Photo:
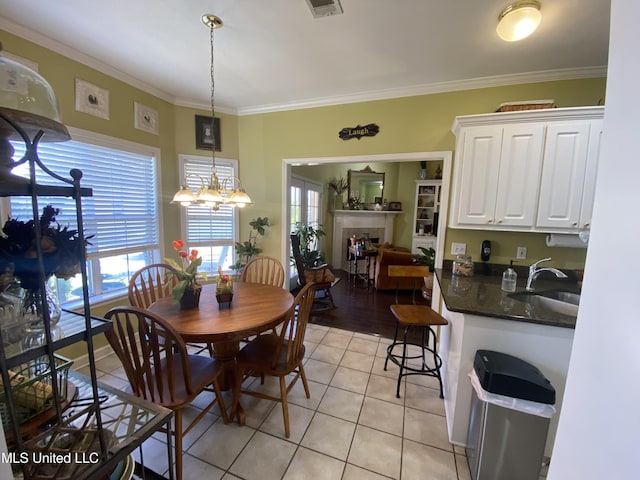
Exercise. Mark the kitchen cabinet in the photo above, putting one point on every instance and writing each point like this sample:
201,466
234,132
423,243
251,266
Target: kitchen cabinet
529,171
498,175
425,214
568,178
90,427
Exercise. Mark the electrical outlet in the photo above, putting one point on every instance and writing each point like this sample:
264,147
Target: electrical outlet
521,253
458,248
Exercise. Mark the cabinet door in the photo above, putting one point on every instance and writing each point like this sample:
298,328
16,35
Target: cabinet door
563,174
519,177
591,174
479,160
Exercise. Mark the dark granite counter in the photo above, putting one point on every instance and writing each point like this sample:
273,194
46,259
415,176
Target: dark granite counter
481,295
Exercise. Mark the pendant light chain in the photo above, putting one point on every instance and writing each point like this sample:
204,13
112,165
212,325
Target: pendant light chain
213,109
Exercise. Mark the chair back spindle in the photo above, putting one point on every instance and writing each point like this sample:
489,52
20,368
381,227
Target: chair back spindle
265,270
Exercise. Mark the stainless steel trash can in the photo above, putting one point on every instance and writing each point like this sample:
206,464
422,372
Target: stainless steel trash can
507,433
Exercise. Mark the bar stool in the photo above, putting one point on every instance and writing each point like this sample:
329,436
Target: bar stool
414,318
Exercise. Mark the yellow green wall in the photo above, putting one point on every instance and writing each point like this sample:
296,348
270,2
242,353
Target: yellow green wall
261,142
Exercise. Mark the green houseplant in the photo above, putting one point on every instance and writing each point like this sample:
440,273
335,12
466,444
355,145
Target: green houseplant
309,236
248,249
187,273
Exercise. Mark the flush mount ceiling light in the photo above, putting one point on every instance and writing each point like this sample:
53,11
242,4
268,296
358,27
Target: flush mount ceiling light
519,20
212,191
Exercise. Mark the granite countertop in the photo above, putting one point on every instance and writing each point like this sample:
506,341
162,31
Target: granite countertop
480,294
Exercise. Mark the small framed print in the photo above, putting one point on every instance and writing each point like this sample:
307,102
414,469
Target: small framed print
395,206
145,118
207,135
92,99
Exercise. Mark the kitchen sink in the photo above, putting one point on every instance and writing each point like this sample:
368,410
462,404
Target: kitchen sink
558,301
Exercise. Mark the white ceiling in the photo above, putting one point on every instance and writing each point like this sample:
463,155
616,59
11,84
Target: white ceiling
273,55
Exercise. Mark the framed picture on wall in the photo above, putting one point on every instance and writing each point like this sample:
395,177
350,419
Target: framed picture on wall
207,135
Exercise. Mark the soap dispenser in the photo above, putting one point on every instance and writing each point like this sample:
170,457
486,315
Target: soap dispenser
509,279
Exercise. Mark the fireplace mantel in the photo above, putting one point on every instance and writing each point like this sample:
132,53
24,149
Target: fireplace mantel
362,220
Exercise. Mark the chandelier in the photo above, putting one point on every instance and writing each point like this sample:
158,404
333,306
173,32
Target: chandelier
212,192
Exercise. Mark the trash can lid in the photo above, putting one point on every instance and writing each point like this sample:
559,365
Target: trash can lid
511,376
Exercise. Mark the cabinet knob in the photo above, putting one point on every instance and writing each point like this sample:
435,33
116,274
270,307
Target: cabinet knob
499,221
587,225
575,224
490,220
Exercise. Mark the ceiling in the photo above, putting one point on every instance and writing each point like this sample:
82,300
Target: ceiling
274,55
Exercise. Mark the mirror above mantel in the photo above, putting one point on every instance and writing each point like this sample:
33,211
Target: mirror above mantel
365,188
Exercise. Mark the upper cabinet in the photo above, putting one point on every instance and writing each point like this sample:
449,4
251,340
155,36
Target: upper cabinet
526,171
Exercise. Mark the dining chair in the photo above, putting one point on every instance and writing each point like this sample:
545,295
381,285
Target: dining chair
265,270
277,355
160,369
153,282
418,318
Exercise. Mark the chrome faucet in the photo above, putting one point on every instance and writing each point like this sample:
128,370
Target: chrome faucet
534,271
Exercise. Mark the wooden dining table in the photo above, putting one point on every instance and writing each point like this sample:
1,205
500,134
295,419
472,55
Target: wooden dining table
255,308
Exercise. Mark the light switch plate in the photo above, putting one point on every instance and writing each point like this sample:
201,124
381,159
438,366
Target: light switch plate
458,248
521,253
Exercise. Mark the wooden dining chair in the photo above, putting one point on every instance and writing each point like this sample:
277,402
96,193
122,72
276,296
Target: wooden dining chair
277,355
419,319
153,282
160,369
265,270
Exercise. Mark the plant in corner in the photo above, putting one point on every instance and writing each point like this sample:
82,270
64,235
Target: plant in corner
427,258
309,236
187,270
247,250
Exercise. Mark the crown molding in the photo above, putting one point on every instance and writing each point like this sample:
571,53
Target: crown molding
368,96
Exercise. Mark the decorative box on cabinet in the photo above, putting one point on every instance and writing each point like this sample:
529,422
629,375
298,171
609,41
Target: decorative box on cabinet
425,214
89,435
510,173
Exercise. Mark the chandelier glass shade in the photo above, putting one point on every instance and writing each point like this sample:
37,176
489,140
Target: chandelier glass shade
519,20
212,192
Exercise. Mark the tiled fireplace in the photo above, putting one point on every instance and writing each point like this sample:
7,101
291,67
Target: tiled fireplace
346,223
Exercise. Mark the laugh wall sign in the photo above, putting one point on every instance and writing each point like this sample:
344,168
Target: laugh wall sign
359,131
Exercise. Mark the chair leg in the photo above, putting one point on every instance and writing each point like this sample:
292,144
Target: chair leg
285,406
390,349
223,407
303,376
178,442
403,362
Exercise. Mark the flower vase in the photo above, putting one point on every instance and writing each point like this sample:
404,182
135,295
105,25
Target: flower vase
338,202
224,299
33,317
191,297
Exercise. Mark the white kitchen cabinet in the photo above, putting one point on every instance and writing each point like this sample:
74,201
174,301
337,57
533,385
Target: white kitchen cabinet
498,178
528,171
425,214
568,177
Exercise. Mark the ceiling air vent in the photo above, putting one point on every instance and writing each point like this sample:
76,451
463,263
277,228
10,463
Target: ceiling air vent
324,8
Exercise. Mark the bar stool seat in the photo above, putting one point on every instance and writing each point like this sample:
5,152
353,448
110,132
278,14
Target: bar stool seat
419,319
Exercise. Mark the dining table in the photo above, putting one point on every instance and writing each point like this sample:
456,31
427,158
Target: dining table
255,308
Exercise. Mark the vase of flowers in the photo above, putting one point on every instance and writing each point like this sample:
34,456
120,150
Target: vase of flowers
62,254
187,290
224,289
338,185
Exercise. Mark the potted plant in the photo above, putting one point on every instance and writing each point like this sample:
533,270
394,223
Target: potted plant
338,185
309,236
248,249
224,287
187,291
427,258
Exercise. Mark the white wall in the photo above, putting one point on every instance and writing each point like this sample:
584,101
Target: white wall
599,429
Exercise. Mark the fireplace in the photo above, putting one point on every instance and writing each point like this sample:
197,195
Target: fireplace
346,223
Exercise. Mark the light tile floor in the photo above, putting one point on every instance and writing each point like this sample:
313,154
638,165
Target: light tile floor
352,427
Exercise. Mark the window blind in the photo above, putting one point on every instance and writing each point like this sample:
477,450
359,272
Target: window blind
122,215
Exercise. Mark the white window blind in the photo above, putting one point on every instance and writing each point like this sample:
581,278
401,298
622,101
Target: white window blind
122,214
205,226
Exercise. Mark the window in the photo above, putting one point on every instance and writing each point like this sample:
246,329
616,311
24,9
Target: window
212,232
306,200
122,215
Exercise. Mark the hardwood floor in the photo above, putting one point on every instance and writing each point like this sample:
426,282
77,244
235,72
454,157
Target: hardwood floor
360,309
